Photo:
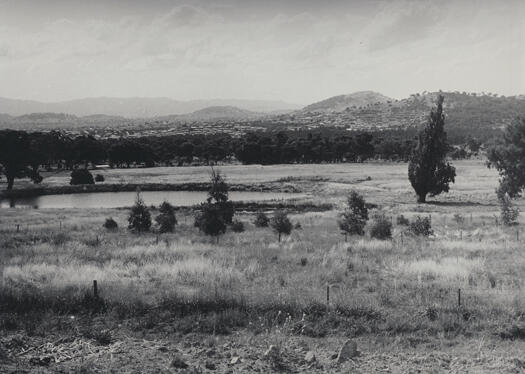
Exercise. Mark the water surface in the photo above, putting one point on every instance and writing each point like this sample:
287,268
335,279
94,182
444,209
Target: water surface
126,199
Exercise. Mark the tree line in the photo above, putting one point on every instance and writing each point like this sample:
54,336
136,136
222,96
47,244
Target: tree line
25,154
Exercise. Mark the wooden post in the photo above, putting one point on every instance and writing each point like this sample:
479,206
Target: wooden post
17,228
517,235
157,239
460,234
60,225
327,295
95,289
470,217
459,297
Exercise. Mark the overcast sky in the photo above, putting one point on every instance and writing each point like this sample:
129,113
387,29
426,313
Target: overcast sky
299,51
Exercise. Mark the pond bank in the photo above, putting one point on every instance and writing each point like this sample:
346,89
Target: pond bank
127,187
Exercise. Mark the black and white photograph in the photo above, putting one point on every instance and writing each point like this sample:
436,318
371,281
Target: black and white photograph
262,186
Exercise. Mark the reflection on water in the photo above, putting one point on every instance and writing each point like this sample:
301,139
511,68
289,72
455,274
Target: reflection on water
125,199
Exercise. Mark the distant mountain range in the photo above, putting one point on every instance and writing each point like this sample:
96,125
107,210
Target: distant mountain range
366,110
135,107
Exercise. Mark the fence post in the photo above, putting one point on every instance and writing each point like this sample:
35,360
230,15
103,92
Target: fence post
95,289
459,297
17,228
327,295
517,235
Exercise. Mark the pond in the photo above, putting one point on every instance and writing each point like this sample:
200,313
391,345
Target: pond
126,199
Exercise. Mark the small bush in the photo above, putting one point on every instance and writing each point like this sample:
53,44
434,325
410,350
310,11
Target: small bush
81,176
304,261
401,220
509,212
166,220
99,178
261,220
280,223
110,224
237,226
298,226
458,218
211,219
139,218
353,219
381,227
421,226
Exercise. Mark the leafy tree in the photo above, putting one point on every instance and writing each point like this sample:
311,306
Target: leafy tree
14,155
261,219
280,223
166,219
139,218
428,171
81,176
353,219
508,157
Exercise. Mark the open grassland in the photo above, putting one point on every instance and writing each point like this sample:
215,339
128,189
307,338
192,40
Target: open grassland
402,291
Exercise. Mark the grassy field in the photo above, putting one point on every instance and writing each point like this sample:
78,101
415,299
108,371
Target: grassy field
402,291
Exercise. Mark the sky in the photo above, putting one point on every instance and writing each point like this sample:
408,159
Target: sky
298,51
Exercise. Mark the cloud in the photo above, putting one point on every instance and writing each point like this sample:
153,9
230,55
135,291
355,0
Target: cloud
298,51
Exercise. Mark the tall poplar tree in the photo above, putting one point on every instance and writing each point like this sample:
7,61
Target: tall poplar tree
428,171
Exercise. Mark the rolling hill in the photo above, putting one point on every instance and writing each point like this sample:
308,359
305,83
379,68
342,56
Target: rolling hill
354,100
137,107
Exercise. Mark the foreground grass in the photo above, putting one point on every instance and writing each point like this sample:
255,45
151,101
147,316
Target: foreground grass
407,285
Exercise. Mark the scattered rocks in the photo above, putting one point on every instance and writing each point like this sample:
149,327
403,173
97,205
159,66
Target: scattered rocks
310,357
348,351
179,363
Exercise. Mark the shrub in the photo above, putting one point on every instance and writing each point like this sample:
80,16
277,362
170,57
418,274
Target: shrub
166,220
81,176
298,226
281,223
99,178
509,212
458,218
110,224
261,219
381,227
421,226
237,226
353,219
211,220
401,220
217,211
139,218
